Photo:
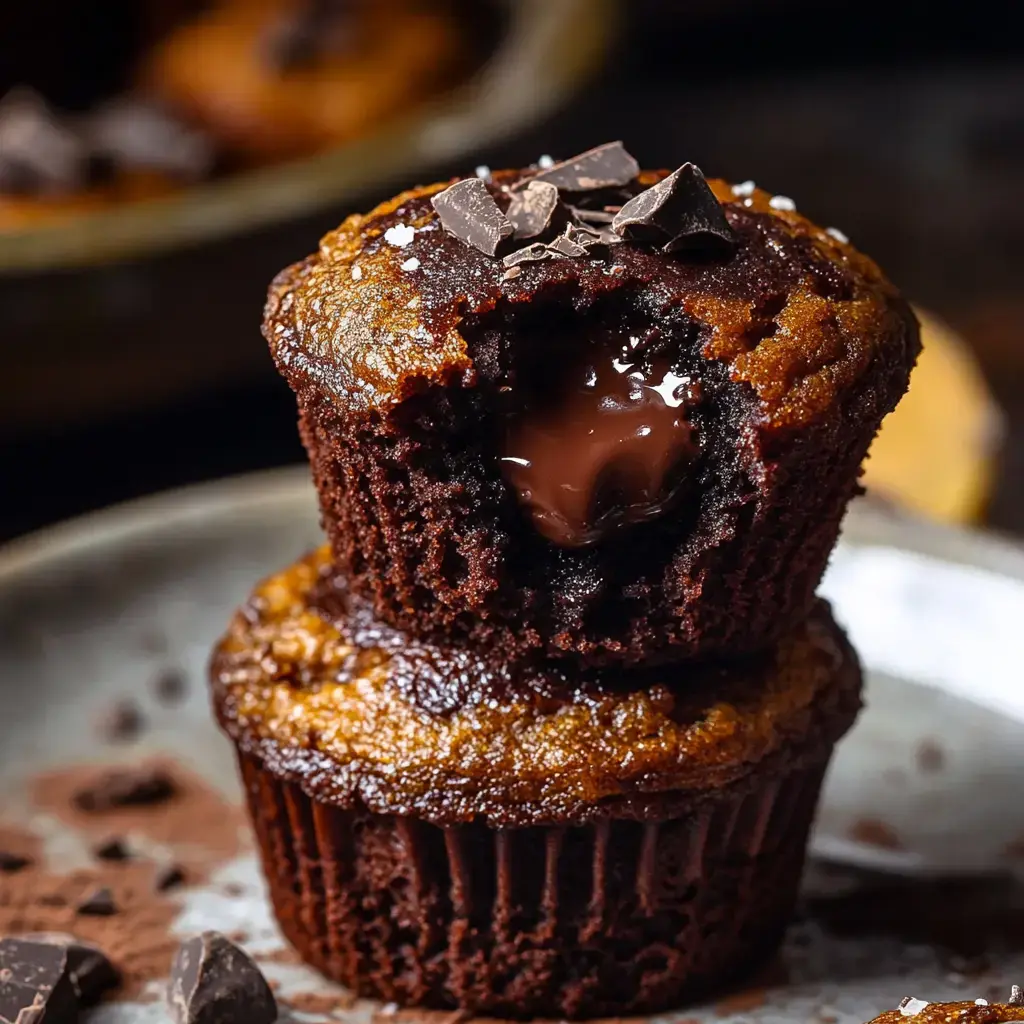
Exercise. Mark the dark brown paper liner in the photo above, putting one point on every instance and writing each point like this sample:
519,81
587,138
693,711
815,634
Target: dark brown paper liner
611,918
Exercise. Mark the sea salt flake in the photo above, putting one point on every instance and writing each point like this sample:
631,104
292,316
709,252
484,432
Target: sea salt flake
546,161
400,235
357,273
483,171
911,1007
838,235
411,264
744,188
782,203
981,1002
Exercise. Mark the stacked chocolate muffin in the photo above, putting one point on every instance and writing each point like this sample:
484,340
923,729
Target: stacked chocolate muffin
541,731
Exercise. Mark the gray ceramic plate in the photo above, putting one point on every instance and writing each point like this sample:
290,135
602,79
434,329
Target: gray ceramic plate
931,775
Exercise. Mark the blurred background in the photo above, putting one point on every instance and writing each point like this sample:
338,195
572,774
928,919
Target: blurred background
161,160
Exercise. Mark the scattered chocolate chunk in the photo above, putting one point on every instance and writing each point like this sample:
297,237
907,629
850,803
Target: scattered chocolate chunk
1016,996
169,877
114,849
125,787
170,686
11,862
89,968
468,211
679,212
99,904
536,251
213,981
536,211
119,723
35,984
930,756
604,166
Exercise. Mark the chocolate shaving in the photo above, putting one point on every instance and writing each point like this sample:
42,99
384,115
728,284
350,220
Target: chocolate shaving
11,862
125,787
604,166
536,211
98,904
213,981
35,983
565,245
528,254
605,216
468,211
679,212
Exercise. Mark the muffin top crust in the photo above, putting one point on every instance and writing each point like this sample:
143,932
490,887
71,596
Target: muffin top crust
307,681
386,305
979,1011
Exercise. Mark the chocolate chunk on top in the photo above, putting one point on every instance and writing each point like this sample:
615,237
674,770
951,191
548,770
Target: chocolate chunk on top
170,876
11,862
606,166
35,983
125,787
679,212
213,981
536,211
468,211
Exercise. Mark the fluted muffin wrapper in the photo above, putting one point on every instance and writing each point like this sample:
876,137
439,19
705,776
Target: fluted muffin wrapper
613,917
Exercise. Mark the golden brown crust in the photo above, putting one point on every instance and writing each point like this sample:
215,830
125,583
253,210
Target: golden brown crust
350,321
291,687
954,1013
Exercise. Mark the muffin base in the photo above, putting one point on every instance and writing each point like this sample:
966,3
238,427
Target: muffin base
609,918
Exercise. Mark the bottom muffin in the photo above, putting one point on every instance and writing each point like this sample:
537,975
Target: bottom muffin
444,829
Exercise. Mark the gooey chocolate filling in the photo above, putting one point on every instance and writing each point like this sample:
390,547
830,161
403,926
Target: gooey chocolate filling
612,452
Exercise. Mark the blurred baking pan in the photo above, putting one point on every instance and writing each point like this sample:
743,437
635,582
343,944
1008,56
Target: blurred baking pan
134,305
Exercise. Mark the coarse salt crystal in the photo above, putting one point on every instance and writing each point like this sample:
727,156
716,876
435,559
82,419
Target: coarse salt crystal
411,264
357,273
838,235
910,1007
782,203
744,188
483,171
546,161
981,1002
400,235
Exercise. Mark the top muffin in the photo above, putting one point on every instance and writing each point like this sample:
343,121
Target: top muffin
980,1011
589,409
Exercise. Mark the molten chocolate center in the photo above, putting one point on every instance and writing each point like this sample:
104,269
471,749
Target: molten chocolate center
608,455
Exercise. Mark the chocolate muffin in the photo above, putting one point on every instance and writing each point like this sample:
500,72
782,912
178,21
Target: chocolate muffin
631,437
443,828
978,1011
278,79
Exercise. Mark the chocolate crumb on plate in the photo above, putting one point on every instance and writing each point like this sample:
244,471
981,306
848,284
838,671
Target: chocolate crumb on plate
35,983
606,166
125,787
872,832
114,849
213,981
170,876
679,212
120,722
930,756
170,685
11,862
99,904
468,211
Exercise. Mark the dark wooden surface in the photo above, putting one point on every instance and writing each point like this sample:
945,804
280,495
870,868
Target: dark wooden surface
905,131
